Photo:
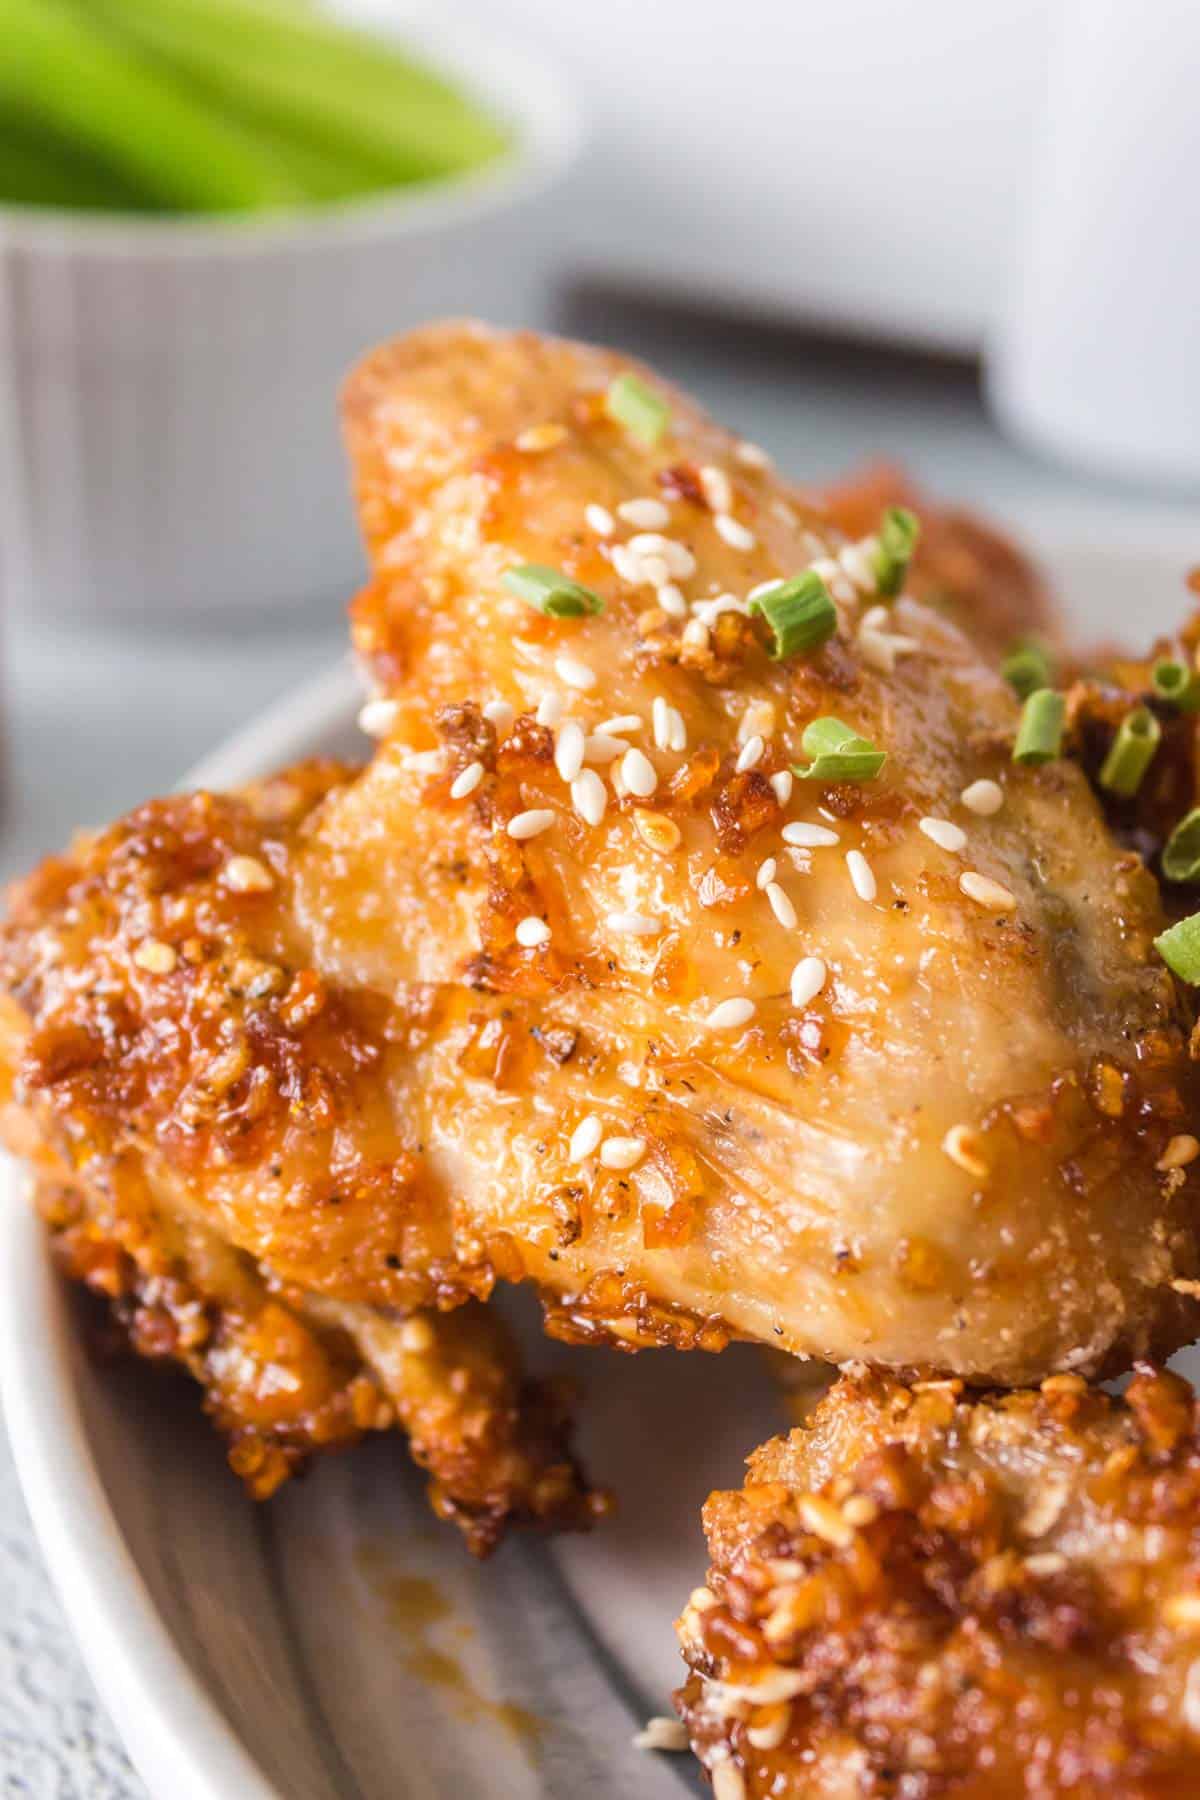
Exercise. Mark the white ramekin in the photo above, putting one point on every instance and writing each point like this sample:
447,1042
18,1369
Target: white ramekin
168,430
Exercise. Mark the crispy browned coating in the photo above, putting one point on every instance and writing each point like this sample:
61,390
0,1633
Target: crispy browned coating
928,1596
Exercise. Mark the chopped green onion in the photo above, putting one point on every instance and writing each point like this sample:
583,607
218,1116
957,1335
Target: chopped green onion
552,592
838,753
1027,668
638,408
1174,682
800,613
898,533
1181,852
1179,947
1131,752
1040,733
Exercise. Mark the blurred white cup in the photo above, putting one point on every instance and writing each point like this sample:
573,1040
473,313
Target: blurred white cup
1098,360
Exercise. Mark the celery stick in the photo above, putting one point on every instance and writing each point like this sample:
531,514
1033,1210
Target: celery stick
64,73
314,79
37,169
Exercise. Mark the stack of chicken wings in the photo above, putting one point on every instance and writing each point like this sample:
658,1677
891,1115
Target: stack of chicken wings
715,941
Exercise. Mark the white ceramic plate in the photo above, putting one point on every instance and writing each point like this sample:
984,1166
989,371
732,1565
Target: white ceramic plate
338,1644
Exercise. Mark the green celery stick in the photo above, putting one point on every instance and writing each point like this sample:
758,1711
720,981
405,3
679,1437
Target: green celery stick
69,76
37,169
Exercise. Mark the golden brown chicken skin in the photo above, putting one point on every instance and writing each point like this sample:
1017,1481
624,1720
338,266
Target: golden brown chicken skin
926,1596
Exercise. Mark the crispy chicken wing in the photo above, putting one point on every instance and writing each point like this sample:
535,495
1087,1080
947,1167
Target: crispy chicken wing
925,1595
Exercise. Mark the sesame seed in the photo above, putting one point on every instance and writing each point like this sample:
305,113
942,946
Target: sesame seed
962,1146
621,725
750,755
986,892
601,748
550,708
499,714
622,1152
802,835
627,564
842,589
730,1015
983,797
880,649
647,515
862,876
828,568
678,558
765,587
639,774
695,635
632,924
944,834
540,437
825,1521
709,611
781,906
1180,1151
585,1139
751,456
656,830
378,717
576,674
808,978
671,600
532,932
416,1336
716,488
155,957
766,872
656,570
246,875
568,750
426,762
599,519
758,720
772,1734
661,1734
781,783
660,722
860,1509
856,563
466,781
734,533
588,797
530,824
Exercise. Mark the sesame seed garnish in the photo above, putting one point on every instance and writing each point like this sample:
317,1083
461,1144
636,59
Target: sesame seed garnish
585,1139
246,875
466,781
568,750
695,635
750,755
656,570
621,725
730,1015
601,748
627,565
751,456
599,519
530,824
647,515
772,1734
986,892
576,674
532,932
984,797
671,600
808,978
944,834
825,1520
622,1152
500,714
632,924
716,488
589,797
880,649
781,906
670,732
550,708
758,720
1180,1151
862,876
540,437
962,1146
860,1509
734,533
639,774
781,783
828,568
802,835
709,611
661,1734
766,872
656,830
155,957
678,558
765,587
378,717
426,762
857,565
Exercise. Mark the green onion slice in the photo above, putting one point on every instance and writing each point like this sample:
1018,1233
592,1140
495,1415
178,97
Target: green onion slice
838,753
899,530
1181,852
1131,752
1040,733
552,592
1174,682
800,613
1027,668
1179,948
638,408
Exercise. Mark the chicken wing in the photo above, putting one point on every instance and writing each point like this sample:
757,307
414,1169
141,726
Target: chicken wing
924,1594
